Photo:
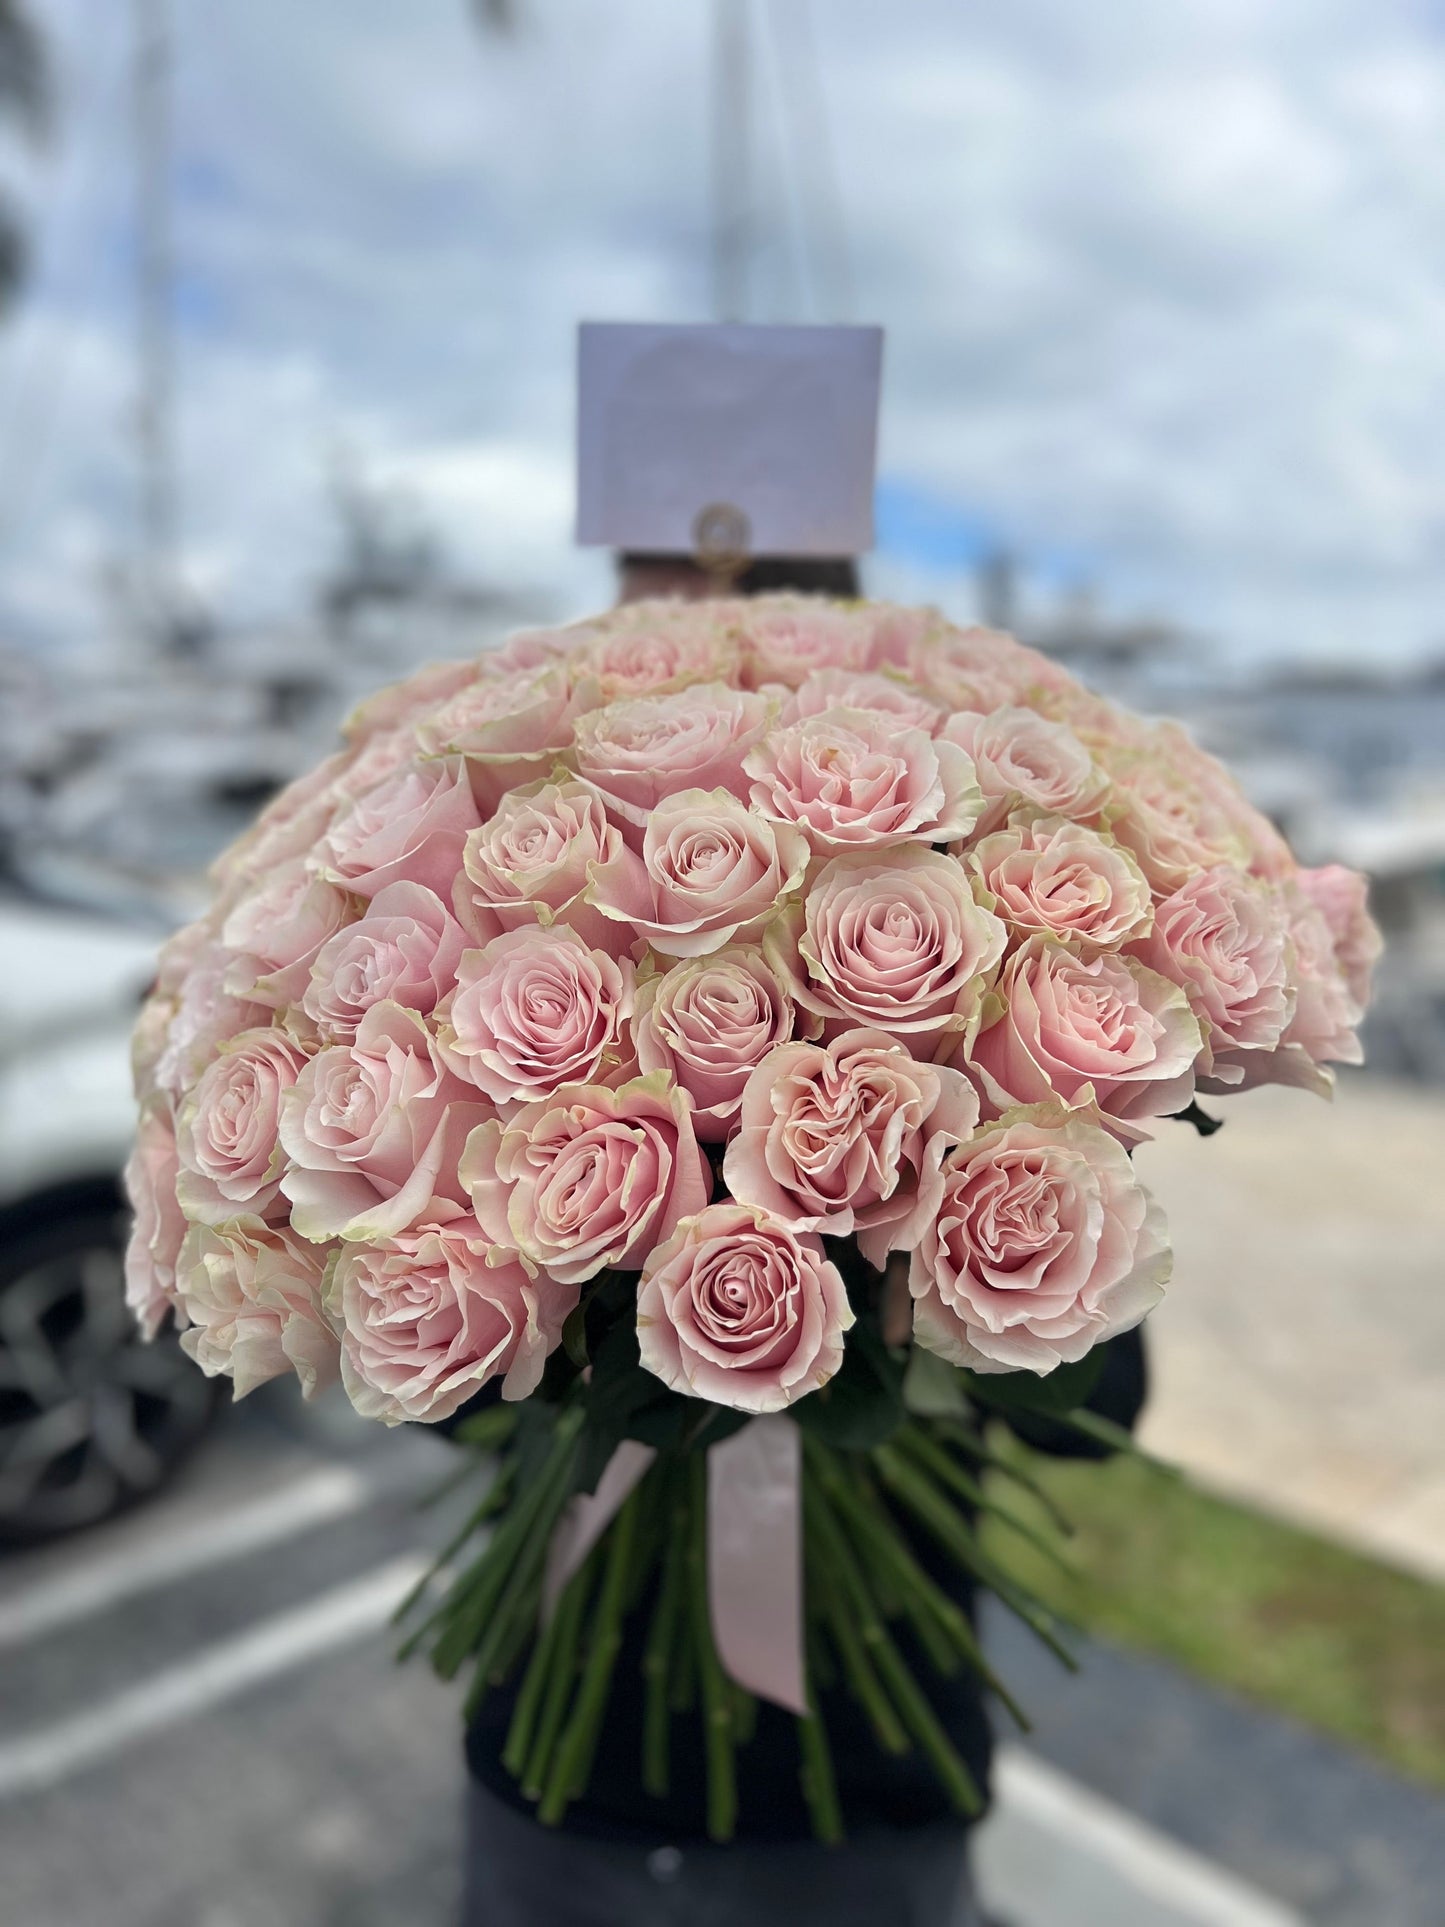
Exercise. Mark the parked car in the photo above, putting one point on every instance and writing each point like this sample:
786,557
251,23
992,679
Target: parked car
91,1417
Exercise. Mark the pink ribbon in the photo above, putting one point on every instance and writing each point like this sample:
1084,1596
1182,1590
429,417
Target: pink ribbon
755,1559
754,1550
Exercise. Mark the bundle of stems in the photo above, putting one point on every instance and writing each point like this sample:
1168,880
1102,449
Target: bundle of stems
864,1514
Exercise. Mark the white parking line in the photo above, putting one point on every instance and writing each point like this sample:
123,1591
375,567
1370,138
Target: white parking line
1172,1880
312,1499
1168,1879
315,1630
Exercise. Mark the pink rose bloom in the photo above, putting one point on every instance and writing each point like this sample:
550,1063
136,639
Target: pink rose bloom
203,1016
404,950
709,1022
1086,1031
849,779
1057,878
590,1178
227,1139
652,647
710,870
428,1317
848,1137
253,1293
879,695
1342,898
737,1309
639,751
276,932
1175,826
529,862
511,728
1321,1029
409,829
374,1130
786,637
1224,938
965,669
1044,1244
159,1227
893,940
402,704
1021,757
533,1010
287,827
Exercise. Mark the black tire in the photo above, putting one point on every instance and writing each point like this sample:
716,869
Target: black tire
92,1418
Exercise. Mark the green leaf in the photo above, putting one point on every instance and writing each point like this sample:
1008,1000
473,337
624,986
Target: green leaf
932,1388
1064,1389
862,1404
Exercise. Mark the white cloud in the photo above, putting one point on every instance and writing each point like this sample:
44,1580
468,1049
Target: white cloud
1163,286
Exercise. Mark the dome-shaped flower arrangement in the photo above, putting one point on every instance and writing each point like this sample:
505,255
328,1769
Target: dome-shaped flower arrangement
705,1013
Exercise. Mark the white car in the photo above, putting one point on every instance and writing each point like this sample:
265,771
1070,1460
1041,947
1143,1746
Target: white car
91,1418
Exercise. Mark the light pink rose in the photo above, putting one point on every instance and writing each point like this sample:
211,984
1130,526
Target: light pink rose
535,648
428,1317
160,1225
709,1021
253,1293
847,1138
1100,1030
590,1178
737,1309
1021,757
1175,824
849,779
651,647
1342,898
638,751
404,950
893,939
409,829
373,1130
228,1133
287,827
965,669
510,727
203,1015
401,704
1321,1029
1044,1244
710,870
1049,875
276,931
528,863
533,1010
879,695
785,638
1224,938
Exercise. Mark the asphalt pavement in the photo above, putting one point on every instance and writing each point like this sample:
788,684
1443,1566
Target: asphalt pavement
203,1727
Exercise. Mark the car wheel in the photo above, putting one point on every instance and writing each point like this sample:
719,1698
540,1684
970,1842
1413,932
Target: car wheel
92,1418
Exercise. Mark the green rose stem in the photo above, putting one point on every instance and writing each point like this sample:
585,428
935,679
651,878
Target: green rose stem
469,1607
973,1447
492,1502
932,1457
722,1792
562,1664
916,1714
941,1519
574,1751
662,1639
820,1789
927,1600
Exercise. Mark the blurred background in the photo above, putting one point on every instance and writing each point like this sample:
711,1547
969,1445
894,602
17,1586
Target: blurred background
286,406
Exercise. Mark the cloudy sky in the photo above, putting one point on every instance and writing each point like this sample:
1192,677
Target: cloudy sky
1164,290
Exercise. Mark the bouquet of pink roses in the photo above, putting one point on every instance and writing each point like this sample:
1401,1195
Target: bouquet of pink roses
725,1025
